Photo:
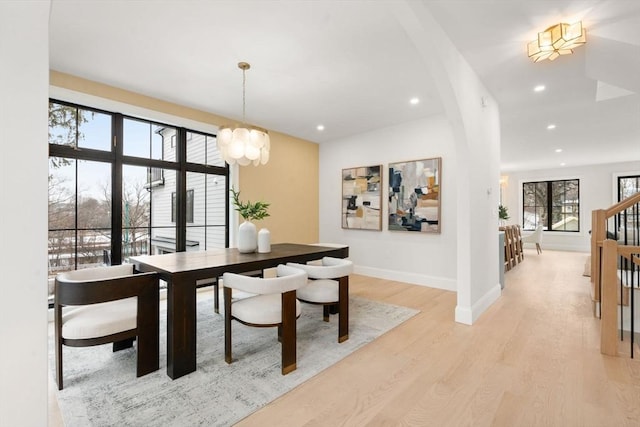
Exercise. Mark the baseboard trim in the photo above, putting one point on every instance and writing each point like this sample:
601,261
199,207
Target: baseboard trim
413,278
556,247
468,315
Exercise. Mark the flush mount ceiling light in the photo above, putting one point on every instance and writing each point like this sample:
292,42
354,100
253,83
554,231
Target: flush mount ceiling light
559,39
243,144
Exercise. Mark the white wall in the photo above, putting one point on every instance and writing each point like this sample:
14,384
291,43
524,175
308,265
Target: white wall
24,81
475,123
464,258
597,191
419,258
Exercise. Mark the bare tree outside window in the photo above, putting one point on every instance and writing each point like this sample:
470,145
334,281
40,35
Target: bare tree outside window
628,221
553,204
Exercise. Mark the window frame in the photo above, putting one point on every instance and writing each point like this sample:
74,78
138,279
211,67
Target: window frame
118,160
548,205
630,217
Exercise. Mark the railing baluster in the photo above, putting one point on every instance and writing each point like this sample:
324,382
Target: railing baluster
633,297
634,273
621,302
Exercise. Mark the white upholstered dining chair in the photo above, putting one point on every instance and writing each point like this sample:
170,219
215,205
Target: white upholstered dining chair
535,237
274,304
328,285
102,305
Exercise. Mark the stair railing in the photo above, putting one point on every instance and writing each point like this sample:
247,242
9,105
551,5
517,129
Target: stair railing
625,220
612,276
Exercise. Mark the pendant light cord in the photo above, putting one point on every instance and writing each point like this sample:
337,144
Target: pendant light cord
244,81
244,66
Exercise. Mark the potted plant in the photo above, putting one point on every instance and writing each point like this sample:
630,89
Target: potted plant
503,214
247,235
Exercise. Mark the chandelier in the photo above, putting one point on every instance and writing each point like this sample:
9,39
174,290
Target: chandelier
559,39
243,144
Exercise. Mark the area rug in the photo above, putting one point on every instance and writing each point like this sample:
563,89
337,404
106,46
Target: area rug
101,388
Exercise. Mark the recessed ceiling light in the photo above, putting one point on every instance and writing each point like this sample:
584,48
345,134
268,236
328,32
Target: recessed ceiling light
562,164
558,150
320,127
414,101
551,126
539,88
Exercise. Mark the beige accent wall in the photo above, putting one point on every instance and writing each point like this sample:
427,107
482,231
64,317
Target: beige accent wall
289,182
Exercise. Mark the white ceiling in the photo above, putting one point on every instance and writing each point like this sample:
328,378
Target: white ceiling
350,66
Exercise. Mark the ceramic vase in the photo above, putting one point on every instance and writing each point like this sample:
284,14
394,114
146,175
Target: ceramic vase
247,237
264,241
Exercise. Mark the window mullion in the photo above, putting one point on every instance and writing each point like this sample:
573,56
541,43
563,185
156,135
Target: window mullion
181,191
549,204
116,190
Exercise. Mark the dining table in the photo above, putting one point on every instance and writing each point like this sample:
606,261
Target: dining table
181,271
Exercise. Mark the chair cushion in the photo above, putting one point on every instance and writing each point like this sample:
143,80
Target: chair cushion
320,291
97,273
288,279
331,268
261,309
99,320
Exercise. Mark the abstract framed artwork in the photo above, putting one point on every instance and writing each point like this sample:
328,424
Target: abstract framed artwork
415,195
362,198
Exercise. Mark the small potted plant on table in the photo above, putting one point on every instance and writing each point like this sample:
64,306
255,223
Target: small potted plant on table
503,214
247,234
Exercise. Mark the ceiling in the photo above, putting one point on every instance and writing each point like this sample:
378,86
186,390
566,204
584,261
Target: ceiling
350,66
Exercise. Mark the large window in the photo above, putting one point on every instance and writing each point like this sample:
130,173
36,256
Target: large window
627,223
118,188
628,186
555,205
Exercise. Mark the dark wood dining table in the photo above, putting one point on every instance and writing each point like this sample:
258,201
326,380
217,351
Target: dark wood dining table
181,270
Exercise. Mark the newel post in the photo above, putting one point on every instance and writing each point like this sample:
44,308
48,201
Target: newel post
609,299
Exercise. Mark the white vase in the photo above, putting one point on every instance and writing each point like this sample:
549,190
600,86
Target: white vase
264,241
247,237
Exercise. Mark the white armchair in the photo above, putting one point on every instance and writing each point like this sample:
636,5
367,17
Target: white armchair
535,237
108,305
274,304
328,285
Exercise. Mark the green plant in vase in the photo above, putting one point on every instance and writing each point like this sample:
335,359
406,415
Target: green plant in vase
247,234
503,214
249,211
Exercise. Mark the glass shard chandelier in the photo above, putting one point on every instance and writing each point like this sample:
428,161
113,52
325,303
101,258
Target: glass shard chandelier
243,144
559,39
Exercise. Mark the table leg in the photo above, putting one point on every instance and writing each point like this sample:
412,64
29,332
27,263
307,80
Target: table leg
343,311
288,332
181,327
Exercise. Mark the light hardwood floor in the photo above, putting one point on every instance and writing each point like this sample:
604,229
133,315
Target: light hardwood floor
532,359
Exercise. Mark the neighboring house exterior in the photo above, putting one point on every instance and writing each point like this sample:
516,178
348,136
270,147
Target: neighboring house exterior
206,222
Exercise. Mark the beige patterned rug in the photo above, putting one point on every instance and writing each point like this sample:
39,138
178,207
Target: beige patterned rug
101,388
